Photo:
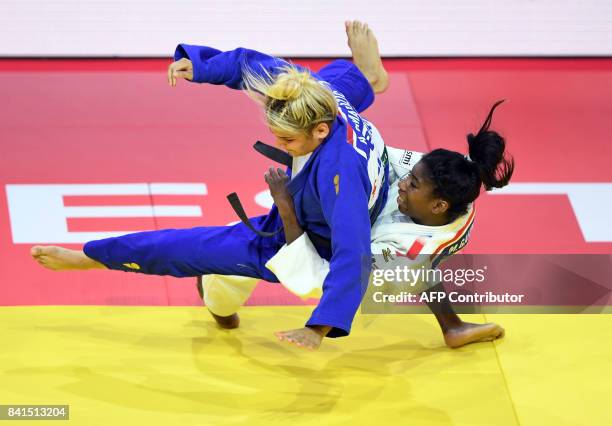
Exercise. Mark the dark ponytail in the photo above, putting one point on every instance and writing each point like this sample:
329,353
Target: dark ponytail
487,149
458,179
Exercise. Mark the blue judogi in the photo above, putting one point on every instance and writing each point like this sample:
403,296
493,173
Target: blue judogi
331,195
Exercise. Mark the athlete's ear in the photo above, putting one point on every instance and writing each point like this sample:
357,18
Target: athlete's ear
321,131
439,206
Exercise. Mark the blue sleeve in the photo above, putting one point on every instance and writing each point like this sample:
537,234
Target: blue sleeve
346,213
345,77
216,67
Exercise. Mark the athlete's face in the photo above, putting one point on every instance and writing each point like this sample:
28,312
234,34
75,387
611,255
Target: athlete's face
301,144
416,197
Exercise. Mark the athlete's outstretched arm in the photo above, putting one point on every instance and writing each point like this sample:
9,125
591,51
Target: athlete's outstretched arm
343,190
202,64
307,337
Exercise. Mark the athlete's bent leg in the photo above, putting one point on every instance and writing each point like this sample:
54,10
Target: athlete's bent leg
364,48
456,332
223,295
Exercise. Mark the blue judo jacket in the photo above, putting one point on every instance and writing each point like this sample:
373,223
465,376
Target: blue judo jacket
331,192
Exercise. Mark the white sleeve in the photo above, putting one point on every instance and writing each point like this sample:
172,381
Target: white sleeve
299,268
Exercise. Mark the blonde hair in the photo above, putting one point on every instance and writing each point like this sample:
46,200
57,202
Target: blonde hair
294,101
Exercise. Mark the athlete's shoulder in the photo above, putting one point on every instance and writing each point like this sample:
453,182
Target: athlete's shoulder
402,160
337,144
455,238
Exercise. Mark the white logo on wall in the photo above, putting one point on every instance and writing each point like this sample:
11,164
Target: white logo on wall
591,202
38,213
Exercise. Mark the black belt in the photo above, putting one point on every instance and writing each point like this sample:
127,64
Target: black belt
234,200
281,157
273,154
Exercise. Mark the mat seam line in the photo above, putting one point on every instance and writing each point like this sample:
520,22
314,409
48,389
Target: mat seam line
156,224
427,143
416,108
503,374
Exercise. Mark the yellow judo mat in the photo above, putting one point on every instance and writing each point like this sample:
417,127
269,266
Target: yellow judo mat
173,366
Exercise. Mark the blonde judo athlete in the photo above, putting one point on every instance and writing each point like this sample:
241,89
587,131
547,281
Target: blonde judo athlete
315,118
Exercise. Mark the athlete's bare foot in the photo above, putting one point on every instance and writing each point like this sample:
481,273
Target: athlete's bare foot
366,56
60,258
471,333
230,322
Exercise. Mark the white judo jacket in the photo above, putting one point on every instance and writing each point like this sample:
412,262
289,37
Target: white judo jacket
394,235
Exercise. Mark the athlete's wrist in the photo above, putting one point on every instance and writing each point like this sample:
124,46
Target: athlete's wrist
322,330
286,211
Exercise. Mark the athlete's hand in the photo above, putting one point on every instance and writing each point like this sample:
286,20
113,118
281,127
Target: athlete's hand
277,182
183,68
308,337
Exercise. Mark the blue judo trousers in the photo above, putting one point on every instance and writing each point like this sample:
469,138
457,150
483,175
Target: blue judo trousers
330,194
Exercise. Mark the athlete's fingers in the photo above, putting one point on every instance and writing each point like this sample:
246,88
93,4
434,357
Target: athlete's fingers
174,67
182,74
172,70
286,339
282,335
268,178
169,76
279,177
272,174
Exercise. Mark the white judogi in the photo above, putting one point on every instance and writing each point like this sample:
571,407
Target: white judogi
302,271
